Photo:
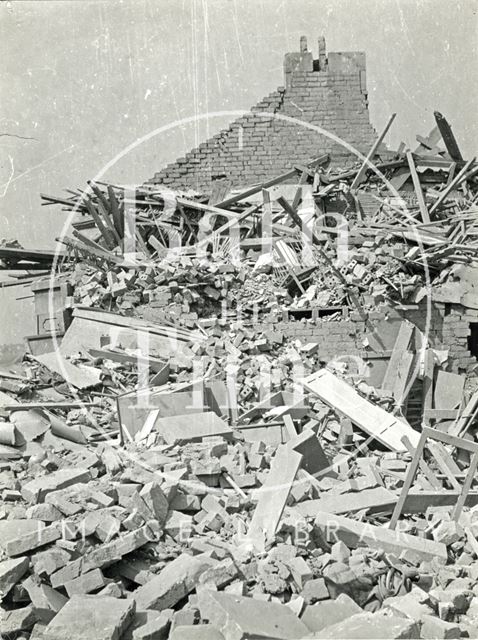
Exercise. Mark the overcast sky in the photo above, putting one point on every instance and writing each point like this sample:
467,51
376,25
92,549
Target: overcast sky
82,80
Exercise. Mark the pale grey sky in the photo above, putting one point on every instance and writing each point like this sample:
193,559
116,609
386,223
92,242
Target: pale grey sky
85,79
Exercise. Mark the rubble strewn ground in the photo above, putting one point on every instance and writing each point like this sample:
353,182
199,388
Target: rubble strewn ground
179,466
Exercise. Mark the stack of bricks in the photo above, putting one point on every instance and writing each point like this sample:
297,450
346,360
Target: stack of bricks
322,109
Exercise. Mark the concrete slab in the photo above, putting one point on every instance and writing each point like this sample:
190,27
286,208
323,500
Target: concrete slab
239,617
173,583
86,617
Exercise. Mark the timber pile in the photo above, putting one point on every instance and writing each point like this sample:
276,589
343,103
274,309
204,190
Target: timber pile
145,496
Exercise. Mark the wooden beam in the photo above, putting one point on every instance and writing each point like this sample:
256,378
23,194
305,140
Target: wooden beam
273,497
418,188
424,468
448,137
468,413
367,162
373,420
402,341
270,183
410,477
470,476
26,406
450,187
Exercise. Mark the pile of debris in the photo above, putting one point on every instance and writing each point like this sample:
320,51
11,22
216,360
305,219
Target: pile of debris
176,465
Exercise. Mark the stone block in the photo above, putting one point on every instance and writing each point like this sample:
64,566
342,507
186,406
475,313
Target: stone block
156,628
328,612
156,501
13,623
37,489
371,626
241,617
13,529
196,632
87,617
434,628
86,583
315,590
33,540
11,571
173,583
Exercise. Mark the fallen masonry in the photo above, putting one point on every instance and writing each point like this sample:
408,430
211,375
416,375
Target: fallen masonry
237,428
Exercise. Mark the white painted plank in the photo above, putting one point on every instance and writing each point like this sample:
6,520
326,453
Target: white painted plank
384,427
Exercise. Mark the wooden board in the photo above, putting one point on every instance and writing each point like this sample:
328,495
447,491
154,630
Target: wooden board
418,188
448,390
403,377
459,427
377,423
401,345
273,497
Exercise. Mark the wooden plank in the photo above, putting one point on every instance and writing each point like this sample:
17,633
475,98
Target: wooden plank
273,497
419,501
367,162
230,224
446,438
440,457
102,228
448,137
102,255
427,391
411,473
440,414
269,183
451,186
467,414
418,188
207,208
289,426
376,422
400,177
118,218
404,368
87,241
103,210
354,533
26,406
424,468
402,341
470,476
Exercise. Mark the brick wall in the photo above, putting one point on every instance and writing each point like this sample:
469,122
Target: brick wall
449,329
329,93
